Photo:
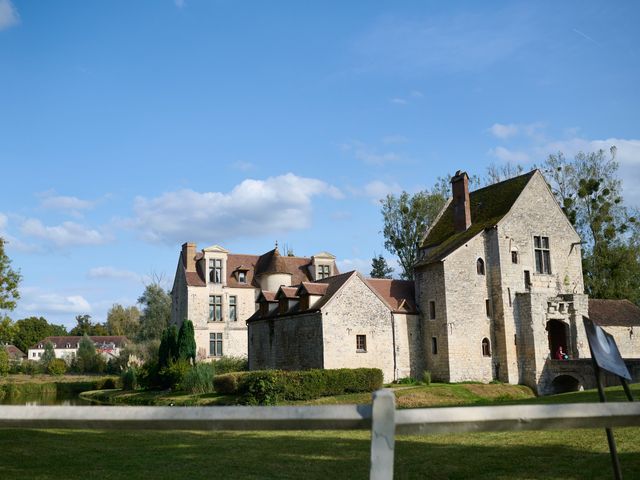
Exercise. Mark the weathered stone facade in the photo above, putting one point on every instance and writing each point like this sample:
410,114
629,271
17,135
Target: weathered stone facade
352,325
217,291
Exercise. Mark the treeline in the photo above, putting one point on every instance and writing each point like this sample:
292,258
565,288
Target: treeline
140,326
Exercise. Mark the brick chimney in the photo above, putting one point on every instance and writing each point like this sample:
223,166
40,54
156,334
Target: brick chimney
461,205
189,256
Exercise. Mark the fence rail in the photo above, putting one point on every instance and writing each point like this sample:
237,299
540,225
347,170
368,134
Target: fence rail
381,418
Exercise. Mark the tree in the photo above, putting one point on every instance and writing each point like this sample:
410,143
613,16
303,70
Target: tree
84,326
86,356
406,220
499,173
123,320
4,362
589,191
48,355
7,330
187,342
9,281
380,268
29,331
156,312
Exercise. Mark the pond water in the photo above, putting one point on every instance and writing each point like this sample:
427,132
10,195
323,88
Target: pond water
44,399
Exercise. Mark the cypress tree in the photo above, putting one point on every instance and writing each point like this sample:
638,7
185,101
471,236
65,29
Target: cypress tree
187,342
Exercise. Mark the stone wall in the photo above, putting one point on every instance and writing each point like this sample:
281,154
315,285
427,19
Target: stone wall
430,287
627,339
357,310
468,321
408,341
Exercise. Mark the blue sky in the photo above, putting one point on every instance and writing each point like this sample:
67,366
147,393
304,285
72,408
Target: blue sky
128,128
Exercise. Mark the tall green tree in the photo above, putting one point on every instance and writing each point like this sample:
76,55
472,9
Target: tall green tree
29,331
9,281
85,326
156,312
123,320
406,219
86,358
7,330
187,342
380,268
48,355
590,192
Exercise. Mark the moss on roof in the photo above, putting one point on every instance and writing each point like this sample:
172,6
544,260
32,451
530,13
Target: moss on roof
488,206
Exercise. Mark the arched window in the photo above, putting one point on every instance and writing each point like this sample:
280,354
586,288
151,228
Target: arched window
486,347
480,266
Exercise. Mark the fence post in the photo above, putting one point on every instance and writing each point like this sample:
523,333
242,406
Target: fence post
383,429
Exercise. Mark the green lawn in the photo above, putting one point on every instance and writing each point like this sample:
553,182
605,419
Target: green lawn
572,454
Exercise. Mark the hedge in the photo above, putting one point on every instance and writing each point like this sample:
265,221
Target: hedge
267,387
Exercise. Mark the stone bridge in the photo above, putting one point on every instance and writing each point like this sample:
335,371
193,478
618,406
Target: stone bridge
560,376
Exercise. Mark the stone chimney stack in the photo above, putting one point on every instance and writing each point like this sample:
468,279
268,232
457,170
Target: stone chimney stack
461,205
189,256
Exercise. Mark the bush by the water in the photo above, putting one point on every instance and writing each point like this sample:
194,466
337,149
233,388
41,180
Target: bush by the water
199,378
129,379
171,376
267,387
231,364
57,366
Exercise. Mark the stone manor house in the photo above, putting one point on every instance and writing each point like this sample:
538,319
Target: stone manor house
498,289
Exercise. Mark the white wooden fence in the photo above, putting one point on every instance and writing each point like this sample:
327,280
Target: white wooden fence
381,417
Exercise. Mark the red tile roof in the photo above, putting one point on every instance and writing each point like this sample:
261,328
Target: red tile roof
313,288
399,294
14,352
614,313
287,292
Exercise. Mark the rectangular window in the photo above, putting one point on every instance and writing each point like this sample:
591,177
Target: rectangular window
215,308
514,257
233,316
361,343
509,293
543,257
215,270
215,344
487,306
432,310
434,345
527,279
242,277
323,271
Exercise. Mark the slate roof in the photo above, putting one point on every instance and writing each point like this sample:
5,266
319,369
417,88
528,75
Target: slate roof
488,206
254,266
614,313
62,341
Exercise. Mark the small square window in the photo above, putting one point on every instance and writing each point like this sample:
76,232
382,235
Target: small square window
361,343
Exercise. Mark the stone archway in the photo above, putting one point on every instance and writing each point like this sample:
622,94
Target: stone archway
558,335
564,384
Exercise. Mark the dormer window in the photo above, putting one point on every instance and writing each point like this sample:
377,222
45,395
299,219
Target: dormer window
324,271
242,277
215,270
68,345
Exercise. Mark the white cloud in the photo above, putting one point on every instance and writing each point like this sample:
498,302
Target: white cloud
62,203
254,207
377,190
503,131
398,101
113,273
4,221
509,156
348,264
416,94
8,15
66,234
369,155
41,303
180,3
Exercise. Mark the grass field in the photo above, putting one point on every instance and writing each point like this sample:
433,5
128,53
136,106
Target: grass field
573,454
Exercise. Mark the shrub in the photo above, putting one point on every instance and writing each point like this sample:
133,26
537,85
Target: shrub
199,378
426,377
172,375
108,383
406,381
231,364
129,379
227,384
267,387
31,367
57,366
4,362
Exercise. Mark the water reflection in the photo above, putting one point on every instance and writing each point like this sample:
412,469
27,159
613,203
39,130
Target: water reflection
39,400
